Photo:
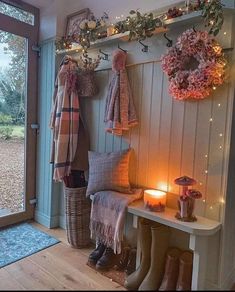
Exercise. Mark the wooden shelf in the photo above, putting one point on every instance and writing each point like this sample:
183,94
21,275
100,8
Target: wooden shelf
202,227
189,18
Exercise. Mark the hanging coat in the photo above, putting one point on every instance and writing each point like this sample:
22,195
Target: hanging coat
120,114
66,123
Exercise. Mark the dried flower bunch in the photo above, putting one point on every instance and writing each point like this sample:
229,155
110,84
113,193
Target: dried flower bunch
195,65
91,29
86,63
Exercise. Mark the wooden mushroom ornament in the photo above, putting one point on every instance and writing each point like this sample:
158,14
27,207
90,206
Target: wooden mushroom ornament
186,201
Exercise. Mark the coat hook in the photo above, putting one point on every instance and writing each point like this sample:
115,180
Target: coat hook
106,56
194,29
145,47
122,49
169,42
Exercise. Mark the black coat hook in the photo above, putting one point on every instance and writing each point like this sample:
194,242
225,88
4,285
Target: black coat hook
169,41
145,47
122,49
106,56
194,29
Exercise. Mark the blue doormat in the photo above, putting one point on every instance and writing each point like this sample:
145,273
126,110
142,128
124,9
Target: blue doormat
20,241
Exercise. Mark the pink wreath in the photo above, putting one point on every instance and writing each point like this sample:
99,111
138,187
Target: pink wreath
195,65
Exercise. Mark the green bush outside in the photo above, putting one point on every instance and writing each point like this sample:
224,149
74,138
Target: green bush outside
6,132
5,119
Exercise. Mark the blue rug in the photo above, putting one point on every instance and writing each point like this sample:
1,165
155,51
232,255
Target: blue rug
20,241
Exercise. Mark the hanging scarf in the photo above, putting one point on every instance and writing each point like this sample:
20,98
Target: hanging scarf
65,119
120,112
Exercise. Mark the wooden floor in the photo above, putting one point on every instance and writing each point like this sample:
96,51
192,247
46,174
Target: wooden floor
59,267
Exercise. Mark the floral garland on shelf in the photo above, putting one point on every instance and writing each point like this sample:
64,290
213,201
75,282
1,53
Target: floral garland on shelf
195,65
141,26
90,30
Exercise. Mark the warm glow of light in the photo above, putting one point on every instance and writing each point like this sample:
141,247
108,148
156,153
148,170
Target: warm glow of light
225,33
221,135
211,208
206,171
222,201
200,183
204,201
155,200
206,155
220,147
219,104
163,187
214,88
210,119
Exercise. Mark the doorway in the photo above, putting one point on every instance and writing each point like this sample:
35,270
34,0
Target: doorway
19,26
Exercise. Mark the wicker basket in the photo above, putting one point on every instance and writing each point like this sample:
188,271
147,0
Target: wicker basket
77,209
87,86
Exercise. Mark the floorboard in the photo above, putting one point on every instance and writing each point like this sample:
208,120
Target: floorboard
59,267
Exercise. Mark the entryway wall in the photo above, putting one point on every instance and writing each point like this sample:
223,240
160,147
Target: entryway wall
173,138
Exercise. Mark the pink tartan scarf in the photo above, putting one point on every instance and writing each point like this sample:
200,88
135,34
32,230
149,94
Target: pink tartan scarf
108,213
65,119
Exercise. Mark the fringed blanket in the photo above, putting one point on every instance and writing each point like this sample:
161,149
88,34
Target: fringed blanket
120,111
65,119
108,216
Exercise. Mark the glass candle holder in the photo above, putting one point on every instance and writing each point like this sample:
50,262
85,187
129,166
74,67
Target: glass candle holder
155,200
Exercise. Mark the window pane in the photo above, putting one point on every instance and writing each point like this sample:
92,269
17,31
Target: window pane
17,13
13,89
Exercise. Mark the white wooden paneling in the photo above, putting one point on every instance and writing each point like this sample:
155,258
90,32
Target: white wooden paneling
173,138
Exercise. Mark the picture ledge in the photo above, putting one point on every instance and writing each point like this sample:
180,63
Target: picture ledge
189,18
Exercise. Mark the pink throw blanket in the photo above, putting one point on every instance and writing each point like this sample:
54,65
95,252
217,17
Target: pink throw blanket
108,216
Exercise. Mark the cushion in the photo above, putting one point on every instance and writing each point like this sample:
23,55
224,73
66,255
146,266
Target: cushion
109,171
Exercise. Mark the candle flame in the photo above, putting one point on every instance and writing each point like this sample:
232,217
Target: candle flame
163,187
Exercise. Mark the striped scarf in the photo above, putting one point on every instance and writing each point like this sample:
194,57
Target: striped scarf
65,119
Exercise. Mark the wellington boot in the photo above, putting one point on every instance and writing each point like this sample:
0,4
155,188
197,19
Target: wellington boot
134,280
160,243
185,271
171,270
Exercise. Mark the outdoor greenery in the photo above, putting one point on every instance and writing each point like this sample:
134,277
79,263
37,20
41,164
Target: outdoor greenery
13,76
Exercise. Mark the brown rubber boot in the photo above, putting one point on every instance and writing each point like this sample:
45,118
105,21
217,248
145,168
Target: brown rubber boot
160,243
134,280
171,270
185,271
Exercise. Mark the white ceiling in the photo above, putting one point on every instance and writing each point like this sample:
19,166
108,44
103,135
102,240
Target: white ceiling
39,3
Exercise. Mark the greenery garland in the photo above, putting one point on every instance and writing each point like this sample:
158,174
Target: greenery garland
141,26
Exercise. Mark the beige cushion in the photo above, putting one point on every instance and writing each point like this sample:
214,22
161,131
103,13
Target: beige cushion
109,171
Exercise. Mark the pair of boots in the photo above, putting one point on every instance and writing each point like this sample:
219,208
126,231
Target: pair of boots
153,240
178,271
103,257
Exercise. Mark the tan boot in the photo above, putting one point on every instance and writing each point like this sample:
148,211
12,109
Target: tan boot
170,277
160,243
134,280
185,271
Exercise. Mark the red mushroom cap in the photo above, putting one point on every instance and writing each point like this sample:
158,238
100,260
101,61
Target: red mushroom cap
195,194
185,181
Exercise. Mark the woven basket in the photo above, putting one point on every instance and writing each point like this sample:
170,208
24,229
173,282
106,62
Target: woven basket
77,209
87,86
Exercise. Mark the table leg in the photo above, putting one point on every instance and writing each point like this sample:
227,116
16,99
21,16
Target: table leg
199,245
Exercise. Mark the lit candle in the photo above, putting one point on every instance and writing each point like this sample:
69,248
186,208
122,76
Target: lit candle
155,200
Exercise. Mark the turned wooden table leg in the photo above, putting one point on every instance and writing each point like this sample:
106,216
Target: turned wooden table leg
199,245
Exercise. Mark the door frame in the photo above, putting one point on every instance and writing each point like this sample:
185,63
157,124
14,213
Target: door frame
31,32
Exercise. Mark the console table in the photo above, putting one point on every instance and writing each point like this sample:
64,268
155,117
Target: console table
198,231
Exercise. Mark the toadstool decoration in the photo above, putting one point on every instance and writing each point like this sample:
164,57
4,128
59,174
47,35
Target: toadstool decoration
186,201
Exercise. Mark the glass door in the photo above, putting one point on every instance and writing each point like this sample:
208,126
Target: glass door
18,112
